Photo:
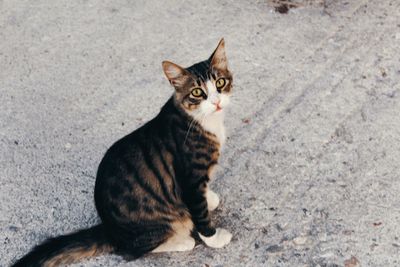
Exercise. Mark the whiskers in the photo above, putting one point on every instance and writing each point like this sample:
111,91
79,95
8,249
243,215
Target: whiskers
233,100
196,118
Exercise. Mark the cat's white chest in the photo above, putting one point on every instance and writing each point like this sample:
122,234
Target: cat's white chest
215,124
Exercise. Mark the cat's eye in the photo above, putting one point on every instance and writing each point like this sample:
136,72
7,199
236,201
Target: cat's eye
220,83
197,92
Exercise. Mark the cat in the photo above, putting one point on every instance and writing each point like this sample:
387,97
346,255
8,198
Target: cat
151,189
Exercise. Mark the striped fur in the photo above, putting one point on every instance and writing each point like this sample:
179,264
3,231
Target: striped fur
151,186
67,249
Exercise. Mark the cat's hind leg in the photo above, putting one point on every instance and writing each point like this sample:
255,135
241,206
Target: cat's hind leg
180,240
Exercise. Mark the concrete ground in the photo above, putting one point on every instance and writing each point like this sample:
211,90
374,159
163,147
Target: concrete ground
310,173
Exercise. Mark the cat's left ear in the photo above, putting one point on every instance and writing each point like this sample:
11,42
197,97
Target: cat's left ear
218,58
176,75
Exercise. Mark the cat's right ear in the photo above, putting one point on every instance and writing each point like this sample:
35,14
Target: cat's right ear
218,58
176,75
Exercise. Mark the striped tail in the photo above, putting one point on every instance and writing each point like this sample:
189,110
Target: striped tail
67,249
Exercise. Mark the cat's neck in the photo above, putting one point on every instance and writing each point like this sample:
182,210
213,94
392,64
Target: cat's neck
215,125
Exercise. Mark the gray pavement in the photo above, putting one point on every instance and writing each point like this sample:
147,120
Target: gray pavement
310,173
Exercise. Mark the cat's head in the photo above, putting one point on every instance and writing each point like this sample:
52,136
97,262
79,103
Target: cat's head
204,88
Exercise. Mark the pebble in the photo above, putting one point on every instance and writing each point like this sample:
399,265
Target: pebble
300,240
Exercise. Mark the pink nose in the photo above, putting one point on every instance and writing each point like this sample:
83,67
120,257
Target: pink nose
217,104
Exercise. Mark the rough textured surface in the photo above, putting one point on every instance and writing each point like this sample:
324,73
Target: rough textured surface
310,173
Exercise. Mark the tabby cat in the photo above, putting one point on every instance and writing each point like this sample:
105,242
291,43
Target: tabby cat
151,189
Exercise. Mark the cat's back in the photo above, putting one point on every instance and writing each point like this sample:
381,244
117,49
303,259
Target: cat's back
146,142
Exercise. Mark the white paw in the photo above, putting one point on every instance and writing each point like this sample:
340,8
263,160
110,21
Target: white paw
176,245
212,200
221,238
185,245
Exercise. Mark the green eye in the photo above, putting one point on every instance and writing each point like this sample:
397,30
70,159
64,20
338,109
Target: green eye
220,83
197,92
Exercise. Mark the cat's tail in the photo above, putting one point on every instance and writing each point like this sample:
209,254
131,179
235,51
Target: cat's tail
67,249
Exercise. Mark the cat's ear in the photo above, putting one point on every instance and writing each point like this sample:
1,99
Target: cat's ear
176,75
218,58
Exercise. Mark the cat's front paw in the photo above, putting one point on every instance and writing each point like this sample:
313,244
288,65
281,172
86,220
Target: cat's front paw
212,200
221,238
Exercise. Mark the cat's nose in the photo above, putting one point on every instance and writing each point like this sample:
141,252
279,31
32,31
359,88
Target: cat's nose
217,104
